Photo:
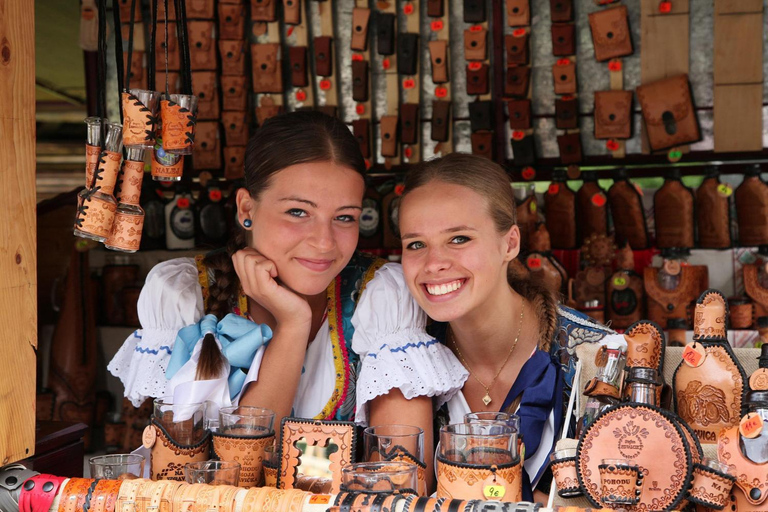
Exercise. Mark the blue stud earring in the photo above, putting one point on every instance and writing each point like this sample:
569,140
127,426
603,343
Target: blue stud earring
247,223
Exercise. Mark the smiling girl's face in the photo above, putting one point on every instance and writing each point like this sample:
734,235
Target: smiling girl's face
306,222
454,258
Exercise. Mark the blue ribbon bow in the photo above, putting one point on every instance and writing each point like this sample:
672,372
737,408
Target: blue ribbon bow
240,340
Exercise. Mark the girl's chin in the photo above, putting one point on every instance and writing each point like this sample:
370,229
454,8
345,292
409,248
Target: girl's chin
305,287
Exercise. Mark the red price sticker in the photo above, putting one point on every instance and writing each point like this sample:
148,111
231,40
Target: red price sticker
408,8
182,202
386,64
474,66
534,263
357,57
301,95
320,499
518,32
399,189
325,85
436,26
553,189
367,164
599,200
408,152
360,109
528,173
567,97
751,425
214,195
693,354
518,135
476,28
409,83
614,65
289,32
441,92
665,7
612,145
563,62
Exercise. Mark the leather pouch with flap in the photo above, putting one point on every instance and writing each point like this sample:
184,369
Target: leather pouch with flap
205,88
267,76
475,44
668,112
564,77
482,144
519,114
610,33
235,128
441,119
516,81
563,39
231,23
202,47
518,13
477,78
324,56
389,136
206,154
566,113
234,92
613,114
570,148
438,55
517,49
232,57
263,10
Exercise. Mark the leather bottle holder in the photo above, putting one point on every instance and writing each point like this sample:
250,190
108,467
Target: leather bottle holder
527,217
202,47
231,25
267,75
400,454
645,345
441,120
482,144
475,44
750,492
519,114
167,457
570,148
673,206
710,397
388,125
560,208
566,114
360,80
200,9
407,54
232,57
628,214
564,77
360,20
477,79
713,216
463,481
474,11
438,55
263,10
206,154
524,151
751,211
610,33
561,11
518,12
668,112
613,114
753,289
385,33
292,12
591,210
138,124
435,8
234,162
361,130
235,128
481,115
516,81
178,125
664,304
204,86
297,57
174,59
234,92
409,123
563,39
324,55
517,49
624,299
248,451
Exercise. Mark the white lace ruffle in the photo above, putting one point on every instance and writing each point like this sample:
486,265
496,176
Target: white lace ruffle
413,362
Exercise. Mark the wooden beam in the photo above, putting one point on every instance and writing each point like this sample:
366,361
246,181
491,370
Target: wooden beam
18,295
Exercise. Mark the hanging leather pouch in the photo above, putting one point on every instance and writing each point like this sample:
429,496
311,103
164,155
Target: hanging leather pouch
610,33
613,114
628,214
668,112
673,206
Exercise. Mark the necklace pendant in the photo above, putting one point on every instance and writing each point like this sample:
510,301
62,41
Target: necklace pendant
487,399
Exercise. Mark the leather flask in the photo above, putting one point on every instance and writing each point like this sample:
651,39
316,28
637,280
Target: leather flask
752,209
591,208
628,214
713,213
560,208
673,206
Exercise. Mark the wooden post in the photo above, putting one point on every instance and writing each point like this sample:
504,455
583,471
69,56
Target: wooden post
18,295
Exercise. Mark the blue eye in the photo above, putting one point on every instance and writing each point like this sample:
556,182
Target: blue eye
296,212
414,246
346,218
460,239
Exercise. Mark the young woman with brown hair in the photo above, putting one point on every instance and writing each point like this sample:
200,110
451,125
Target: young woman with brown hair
460,241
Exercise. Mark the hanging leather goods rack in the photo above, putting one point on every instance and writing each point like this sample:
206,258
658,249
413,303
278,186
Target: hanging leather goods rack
300,90
266,60
441,131
477,56
324,57
409,67
517,79
386,76
567,104
361,79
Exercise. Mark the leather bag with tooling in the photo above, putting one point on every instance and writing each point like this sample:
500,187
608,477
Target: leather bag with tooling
591,208
668,112
664,304
750,492
560,207
710,388
752,209
628,214
674,213
713,213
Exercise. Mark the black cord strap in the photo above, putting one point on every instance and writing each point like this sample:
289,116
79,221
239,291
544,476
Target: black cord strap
152,42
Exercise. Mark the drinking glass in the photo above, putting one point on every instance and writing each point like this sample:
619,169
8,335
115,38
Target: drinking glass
118,466
214,472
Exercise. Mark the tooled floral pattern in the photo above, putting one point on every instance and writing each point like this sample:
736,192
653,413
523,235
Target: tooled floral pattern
702,404
651,353
748,474
704,325
564,474
673,96
703,493
672,473
249,452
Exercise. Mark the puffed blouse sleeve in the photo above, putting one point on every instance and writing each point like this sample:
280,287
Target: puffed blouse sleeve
170,299
394,348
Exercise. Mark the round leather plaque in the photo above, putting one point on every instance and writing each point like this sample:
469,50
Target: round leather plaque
635,432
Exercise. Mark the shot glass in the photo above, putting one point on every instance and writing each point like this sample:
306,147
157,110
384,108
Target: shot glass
117,466
379,477
214,472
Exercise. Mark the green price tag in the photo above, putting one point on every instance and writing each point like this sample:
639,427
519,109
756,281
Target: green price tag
675,155
724,190
620,281
494,492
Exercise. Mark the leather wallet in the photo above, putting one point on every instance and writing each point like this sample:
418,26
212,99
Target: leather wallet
263,10
668,112
474,11
388,125
441,120
234,92
267,75
475,44
297,56
360,80
564,77
324,55
174,59
435,8
517,49
232,57
362,132
563,39
482,144
518,13
205,87
519,114
234,162
409,123
570,148
516,81
438,54
198,9
481,115
477,79
231,21
524,151
206,152
610,33
566,114
385,33
360,19
613,114
408,54
292,12
235,128
202,48
561,11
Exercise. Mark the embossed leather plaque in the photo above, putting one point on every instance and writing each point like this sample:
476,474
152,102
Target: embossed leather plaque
516,81
475,44
668,112
613,114
519,114
564,77
610,33
518,12
438,55
517,49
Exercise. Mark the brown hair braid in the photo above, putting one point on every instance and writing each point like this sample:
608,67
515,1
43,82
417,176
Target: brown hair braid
490,181
282,141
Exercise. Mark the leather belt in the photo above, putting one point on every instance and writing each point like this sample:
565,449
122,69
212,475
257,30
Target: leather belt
38,493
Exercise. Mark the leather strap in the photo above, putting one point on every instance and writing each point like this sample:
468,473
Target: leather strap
38,493
89,495
11,479
74,495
